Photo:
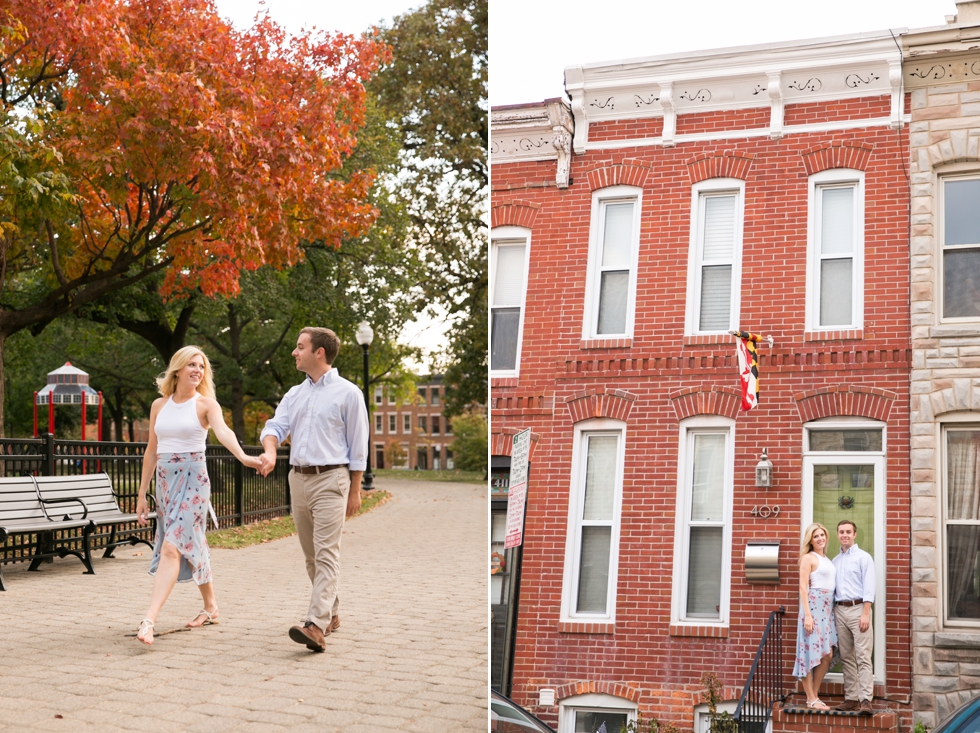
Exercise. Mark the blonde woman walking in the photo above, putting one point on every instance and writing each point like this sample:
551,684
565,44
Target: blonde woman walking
179,423
816,633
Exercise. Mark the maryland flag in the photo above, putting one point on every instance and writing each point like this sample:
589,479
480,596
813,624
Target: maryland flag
748,367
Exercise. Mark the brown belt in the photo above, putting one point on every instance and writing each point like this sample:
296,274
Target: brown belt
317,469
849,603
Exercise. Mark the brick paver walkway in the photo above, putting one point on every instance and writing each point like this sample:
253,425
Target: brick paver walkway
411,653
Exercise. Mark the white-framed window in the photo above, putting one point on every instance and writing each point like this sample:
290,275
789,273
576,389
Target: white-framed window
378,395
509,249
588,713
423,424
702,540
434,419
702,715
378,422
406,423
835,248
960,249
715,257
392,423
594,506
610,291
961,521
435,395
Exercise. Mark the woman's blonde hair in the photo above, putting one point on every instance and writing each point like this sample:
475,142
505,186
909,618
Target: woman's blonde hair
167,382
807,545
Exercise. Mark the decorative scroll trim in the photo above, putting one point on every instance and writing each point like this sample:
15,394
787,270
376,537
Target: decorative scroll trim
502,442
714,400
583,687
609,403
514,213
837,155
628,173
726,164
836,401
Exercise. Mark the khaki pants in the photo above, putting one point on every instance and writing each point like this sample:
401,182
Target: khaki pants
855,651
319,505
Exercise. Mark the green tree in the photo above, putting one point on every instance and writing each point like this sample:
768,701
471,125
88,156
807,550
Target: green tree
435,89
470,444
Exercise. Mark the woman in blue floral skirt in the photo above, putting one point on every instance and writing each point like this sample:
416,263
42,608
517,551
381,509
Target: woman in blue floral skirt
816,633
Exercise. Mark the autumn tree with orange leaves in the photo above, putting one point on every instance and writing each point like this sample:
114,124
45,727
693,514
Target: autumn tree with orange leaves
151,136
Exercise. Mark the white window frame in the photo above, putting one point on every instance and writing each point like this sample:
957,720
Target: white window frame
568,706
970,420
406,423
378,395
600,199
836,177
962,171
501,237
693,313
434,421
379,423
702,715
879,460
392,423
576,498
685,474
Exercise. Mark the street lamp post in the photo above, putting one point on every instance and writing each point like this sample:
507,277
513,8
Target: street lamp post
364,337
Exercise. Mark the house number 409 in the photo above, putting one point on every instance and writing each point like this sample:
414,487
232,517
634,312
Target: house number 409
765,511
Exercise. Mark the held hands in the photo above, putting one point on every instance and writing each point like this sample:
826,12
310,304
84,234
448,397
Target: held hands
252,462
266,462
142,510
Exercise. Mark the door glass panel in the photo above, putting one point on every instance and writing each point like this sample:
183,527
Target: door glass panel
845,440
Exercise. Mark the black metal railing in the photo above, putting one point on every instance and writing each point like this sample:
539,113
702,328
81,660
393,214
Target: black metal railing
764,686
238,495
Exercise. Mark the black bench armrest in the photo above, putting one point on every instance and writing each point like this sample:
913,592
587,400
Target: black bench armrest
65,500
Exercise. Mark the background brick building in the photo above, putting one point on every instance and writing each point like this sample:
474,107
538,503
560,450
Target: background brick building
416,425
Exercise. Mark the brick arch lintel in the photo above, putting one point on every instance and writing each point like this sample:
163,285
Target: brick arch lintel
726,164
501,443
837,154
962,396
713,400
627,173
840,400
609,403
584,687
513,213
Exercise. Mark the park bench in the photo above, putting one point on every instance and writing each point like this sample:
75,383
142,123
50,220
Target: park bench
49,505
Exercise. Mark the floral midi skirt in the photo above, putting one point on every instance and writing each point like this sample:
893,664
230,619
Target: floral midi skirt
812,647
183,500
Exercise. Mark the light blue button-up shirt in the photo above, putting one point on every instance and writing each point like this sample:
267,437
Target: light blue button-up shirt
326,422
855,576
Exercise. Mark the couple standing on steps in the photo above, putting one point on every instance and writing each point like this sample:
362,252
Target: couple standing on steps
835,613
326,421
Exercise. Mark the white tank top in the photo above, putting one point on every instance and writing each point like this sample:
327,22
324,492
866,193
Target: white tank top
825,576
178,429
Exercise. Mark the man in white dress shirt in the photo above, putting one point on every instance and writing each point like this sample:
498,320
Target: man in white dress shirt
327,424
854,594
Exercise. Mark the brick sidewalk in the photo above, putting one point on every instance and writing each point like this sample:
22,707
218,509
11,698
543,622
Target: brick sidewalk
411,654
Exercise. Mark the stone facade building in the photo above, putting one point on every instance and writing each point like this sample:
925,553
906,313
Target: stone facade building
942,72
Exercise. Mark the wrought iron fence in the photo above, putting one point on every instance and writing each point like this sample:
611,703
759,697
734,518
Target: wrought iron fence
764,686
238,495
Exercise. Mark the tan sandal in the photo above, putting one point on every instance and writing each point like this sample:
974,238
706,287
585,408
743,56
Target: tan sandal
211,620
146,628
817,704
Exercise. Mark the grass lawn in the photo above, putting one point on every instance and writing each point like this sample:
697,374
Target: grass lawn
234,538
463,477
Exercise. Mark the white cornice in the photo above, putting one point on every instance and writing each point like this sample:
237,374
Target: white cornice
533,132
771,75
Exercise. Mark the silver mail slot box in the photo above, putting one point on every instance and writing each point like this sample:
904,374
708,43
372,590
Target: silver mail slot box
762,562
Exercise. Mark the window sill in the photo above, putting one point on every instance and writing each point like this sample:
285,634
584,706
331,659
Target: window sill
709,339
959,329
621,343
702,632
848,334
965,639
585,627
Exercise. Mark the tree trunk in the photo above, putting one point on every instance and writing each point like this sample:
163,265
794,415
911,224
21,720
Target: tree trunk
118,416
235,328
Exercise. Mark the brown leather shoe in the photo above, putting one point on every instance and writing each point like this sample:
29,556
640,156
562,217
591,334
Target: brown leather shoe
866,708
849,706
309,634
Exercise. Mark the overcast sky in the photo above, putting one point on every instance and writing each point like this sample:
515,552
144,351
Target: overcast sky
532,41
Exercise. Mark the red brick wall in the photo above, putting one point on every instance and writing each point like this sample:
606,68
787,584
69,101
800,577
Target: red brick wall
640,652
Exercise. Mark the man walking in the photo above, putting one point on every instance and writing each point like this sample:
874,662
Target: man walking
327,423
852,611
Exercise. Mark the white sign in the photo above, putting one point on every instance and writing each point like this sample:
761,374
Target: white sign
517,494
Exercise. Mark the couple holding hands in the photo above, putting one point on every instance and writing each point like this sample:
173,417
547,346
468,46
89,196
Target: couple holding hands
327,423
835,615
